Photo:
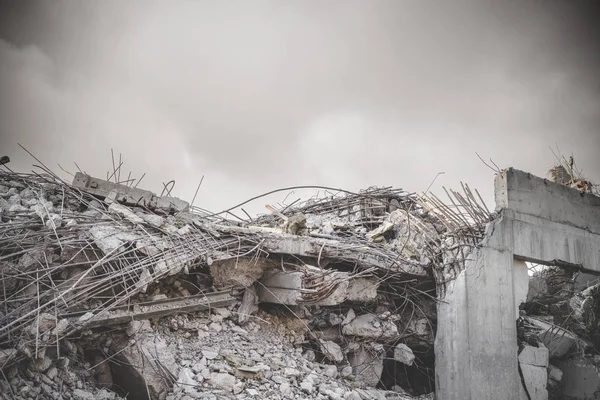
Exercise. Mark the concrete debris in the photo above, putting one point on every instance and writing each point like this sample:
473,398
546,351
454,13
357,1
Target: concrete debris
371,327
403,354
111,290
367,365
331,350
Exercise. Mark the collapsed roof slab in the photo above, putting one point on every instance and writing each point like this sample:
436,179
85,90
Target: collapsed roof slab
476,342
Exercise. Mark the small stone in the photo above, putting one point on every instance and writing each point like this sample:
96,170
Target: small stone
222,380
215,326
209,355
252,392
285,389
223,312
291,372
346,371
330,371
278,379
54,221
43,364
79,394
16,208
331,350
186,381
306,386
309,355
349,317
555,373
238,388
200,365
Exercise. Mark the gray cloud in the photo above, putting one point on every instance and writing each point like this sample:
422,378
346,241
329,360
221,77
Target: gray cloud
262,94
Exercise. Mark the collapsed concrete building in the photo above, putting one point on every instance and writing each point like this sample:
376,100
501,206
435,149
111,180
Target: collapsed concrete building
110,291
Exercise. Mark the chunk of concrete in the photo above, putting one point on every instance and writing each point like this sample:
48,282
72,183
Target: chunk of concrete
369,326
367,365
558,341
222,380
125,212
536,379
536,356
363,290
281,288
148,359
171,204
403,354
331,350
239,271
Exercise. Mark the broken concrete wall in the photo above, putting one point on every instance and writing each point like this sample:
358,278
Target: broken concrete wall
476,344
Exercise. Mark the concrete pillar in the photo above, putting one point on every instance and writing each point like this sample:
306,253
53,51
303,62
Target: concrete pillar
476,342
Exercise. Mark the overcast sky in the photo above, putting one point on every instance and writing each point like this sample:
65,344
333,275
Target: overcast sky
257,95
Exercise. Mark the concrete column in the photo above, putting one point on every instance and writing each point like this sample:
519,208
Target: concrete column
476,342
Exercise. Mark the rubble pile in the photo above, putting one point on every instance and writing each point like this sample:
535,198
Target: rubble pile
110,291
559,328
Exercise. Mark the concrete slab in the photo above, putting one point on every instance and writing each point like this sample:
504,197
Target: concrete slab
536,379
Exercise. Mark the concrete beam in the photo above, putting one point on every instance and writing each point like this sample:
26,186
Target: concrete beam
545,241
528,194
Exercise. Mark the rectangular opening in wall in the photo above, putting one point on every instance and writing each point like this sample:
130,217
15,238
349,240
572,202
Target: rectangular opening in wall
558,331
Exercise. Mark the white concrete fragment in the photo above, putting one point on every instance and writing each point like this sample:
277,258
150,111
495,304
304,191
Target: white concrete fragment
536,356
125,212
331,350
367,365
349,317
403,354
535,381
222,380
369,326
186,381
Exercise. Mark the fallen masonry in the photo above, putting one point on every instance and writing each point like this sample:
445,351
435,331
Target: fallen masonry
113,292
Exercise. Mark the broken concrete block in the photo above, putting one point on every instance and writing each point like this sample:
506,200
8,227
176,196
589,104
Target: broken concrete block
281,288
125,212
363,289
331,350
239,271
222,380
249,305
536,356
109,238
54,221
369,326
378,234
186,381
535,381
171,204
555,373
147,359
558,341
349,317
152,219
403,354
367,365
79,394
583,307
